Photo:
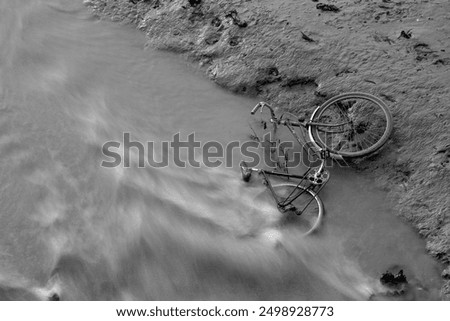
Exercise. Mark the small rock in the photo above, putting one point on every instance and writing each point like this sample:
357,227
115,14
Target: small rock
234,41
446,273
405,34
442,61
233,15
327,7
273,71
216,22
391,280
54,297
212,39
195,3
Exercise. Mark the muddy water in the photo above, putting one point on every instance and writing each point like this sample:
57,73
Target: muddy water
68,84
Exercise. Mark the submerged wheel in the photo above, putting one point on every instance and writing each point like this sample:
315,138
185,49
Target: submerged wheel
307,210
354,125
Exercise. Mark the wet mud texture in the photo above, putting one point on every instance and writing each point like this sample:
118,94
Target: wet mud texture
296,54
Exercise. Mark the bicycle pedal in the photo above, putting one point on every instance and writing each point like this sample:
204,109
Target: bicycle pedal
318,178
245,171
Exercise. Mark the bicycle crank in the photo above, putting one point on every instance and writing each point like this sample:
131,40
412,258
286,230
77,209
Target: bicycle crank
318,178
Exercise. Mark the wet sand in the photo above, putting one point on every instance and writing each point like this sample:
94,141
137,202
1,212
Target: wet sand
295,55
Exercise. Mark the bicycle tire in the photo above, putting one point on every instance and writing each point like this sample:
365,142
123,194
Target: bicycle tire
359,127
311,217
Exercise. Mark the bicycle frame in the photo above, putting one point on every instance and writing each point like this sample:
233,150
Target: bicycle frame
314,177
303,124
285,204
347,126
324,153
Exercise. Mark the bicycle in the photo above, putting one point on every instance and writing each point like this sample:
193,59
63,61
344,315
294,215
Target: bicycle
347,126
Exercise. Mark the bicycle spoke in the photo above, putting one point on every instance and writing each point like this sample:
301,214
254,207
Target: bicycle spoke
339,145
343,115
341,111
368,121
373,138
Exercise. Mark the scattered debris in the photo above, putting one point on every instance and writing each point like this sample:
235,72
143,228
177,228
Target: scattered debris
442,61
216,22
156,5
383,38
424,51
196,15
305,37
212,39
54,297
346,70
391,280
233,15
327,7
234,41
383,6
405,34
195,3
303,81
273,71
388,97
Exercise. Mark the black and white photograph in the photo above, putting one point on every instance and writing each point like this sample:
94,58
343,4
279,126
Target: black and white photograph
240,159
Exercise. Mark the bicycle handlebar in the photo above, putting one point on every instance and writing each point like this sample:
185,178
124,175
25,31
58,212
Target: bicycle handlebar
261,105
255,109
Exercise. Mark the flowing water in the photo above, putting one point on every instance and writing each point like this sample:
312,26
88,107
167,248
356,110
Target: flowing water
68,84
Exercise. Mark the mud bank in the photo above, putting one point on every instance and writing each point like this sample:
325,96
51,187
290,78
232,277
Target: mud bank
296,56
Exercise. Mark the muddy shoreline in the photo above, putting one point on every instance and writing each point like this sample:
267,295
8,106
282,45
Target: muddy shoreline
296,55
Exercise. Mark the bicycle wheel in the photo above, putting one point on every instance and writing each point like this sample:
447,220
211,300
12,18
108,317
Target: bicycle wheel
351,125
308,212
